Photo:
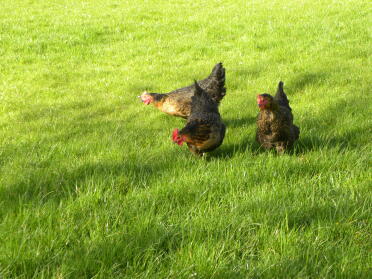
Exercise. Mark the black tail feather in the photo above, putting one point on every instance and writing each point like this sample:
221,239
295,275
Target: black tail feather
215,83
218,71
281,97
198,90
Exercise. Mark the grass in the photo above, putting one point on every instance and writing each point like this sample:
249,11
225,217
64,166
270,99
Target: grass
91,185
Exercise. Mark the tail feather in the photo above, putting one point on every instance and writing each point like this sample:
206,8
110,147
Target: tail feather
198,90
214,84
219,72
281,97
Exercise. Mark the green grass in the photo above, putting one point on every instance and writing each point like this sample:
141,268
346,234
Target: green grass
92,186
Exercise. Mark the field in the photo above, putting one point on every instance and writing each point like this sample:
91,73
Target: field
91,185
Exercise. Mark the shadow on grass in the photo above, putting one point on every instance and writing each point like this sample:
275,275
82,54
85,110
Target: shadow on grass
248,72
247,145
332,128
305,79
239,122
37,187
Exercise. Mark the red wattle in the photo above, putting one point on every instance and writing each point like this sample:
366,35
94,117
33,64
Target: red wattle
180,142
175,135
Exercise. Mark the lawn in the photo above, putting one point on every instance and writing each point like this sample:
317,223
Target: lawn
91,185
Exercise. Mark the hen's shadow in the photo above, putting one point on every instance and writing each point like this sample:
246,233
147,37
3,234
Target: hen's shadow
305,79
247,144
239,122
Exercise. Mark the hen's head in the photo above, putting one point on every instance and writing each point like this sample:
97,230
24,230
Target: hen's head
265,101
146,98
177,138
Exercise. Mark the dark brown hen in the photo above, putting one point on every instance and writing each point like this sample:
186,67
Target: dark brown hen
204,130
178,102
275,128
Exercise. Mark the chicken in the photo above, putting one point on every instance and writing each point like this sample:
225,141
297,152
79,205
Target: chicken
204,130
178,102
275,126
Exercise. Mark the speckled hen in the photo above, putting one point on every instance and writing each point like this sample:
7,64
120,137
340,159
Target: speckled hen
275,128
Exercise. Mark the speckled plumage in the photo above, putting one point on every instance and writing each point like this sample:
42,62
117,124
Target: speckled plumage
204,130
178,102
275,128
